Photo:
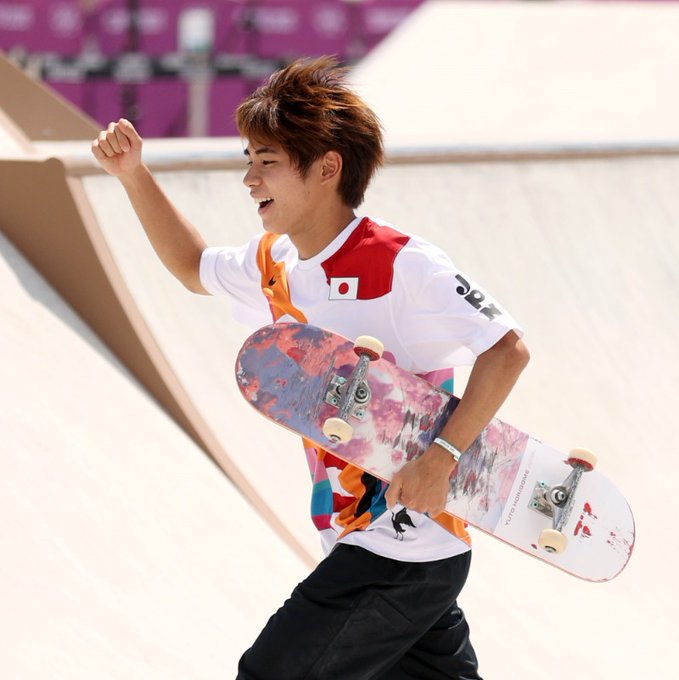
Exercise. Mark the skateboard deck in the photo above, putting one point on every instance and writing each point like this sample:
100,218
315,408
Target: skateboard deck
286,371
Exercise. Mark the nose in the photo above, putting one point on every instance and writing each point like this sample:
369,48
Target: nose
251,177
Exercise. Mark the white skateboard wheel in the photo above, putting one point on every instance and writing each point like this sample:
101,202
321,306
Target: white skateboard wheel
582,457
337,430
552,541
366,344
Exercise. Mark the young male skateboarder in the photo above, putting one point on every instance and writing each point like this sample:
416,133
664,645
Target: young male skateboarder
383,603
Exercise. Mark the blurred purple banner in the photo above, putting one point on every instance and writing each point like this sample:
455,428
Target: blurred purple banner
274,27
138,57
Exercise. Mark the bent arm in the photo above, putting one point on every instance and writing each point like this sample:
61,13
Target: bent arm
492,378
177,242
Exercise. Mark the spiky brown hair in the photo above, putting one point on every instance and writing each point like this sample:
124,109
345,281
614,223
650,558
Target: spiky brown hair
308,108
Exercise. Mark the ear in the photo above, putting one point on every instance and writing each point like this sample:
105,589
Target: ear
331,167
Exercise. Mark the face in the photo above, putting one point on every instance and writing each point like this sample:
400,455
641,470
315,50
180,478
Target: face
283,198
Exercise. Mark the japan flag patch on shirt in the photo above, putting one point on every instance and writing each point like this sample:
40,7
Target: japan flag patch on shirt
343,288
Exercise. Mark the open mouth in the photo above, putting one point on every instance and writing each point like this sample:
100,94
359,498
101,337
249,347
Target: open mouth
263,203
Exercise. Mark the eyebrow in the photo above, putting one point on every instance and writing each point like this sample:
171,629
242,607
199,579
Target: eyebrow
260,150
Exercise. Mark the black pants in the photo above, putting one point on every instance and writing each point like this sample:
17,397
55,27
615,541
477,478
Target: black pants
359,616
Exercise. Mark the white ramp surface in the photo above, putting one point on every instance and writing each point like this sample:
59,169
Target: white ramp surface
497,74
13,143
126,553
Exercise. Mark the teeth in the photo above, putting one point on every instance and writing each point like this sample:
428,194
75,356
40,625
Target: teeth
259,201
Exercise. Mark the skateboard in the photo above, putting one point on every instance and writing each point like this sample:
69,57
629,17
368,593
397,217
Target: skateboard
345,398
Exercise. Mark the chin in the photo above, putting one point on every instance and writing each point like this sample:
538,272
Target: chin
274,228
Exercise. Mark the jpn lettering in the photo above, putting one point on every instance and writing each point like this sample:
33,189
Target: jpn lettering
476,298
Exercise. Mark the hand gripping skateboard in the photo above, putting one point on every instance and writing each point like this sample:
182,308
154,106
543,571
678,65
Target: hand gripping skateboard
346,399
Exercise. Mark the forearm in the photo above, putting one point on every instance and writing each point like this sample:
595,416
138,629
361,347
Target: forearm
492,378
178,244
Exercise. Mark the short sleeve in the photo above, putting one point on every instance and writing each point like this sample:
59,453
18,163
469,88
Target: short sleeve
444,318
233,271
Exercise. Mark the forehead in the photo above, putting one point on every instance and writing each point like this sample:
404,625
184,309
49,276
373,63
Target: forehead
254,147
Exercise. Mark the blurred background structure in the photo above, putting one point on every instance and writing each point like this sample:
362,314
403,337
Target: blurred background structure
177,67
145,529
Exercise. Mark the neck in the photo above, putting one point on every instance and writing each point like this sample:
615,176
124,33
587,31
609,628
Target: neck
309,242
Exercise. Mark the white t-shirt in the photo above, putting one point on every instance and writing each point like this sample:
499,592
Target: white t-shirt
372,280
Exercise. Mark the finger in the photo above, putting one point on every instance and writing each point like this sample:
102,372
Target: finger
438,507
107,143
113,139
393,494
129,131
97,152
122,140
416,506
103,145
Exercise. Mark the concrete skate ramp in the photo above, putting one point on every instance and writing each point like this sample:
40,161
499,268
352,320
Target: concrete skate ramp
126,553
13,143
492,74
40,113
